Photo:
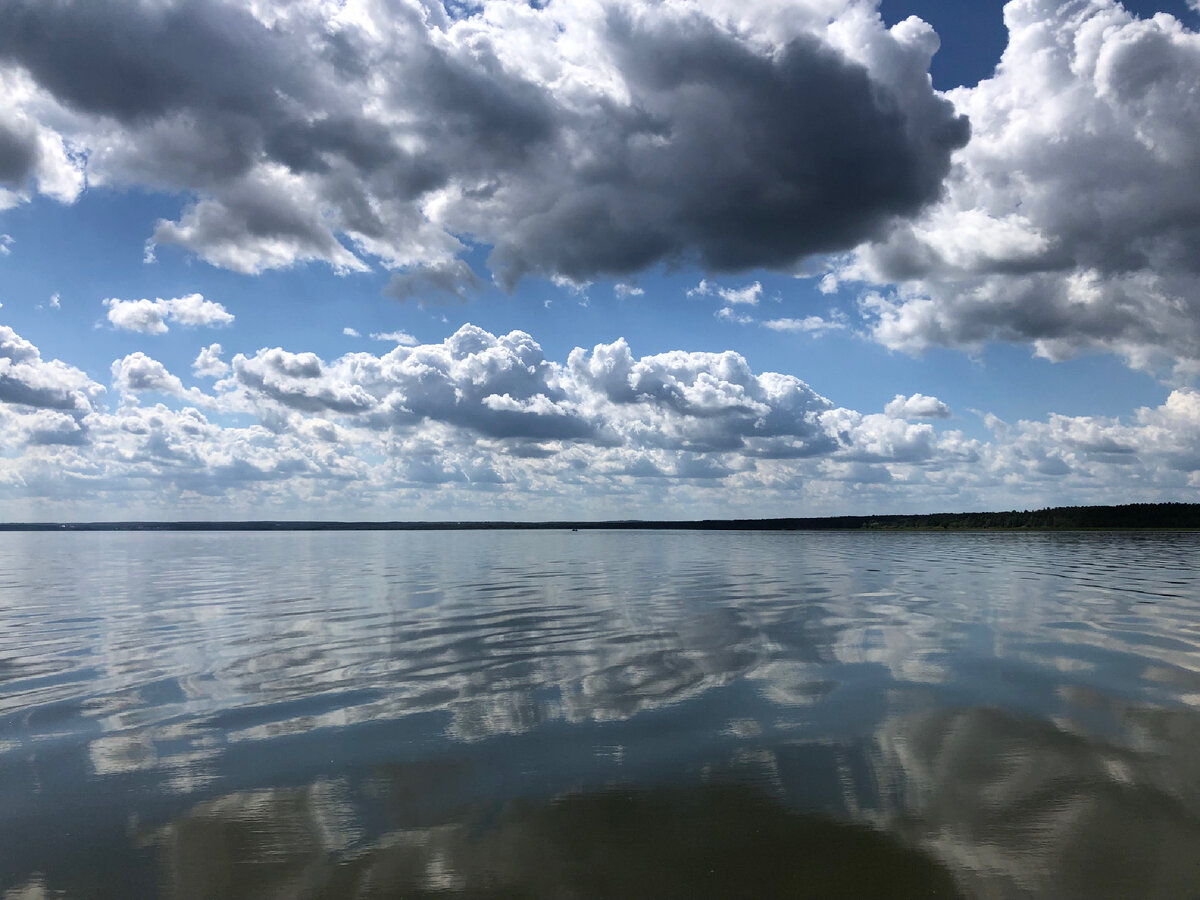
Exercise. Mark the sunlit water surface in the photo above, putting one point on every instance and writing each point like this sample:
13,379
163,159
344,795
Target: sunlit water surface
599,715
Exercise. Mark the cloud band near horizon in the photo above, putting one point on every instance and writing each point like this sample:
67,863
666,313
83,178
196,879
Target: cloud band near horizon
484,426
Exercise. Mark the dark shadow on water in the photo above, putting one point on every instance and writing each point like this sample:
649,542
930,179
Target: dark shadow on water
687,843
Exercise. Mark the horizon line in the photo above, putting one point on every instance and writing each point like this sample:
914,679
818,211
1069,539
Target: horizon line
795,523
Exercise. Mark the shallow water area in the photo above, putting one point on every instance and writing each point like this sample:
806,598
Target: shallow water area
601,714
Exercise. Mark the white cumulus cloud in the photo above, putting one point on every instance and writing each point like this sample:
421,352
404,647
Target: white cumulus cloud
146,316
208,362
918,406
1070,219
749,295
27,380
137,372
484,425
151,316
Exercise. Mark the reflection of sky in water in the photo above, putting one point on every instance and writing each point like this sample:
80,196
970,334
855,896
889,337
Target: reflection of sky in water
1022,707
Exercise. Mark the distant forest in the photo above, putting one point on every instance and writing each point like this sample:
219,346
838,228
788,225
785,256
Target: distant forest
1060,518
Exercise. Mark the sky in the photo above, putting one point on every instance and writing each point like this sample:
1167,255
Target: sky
600,259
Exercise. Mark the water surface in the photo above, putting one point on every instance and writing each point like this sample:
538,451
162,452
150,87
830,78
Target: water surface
599,715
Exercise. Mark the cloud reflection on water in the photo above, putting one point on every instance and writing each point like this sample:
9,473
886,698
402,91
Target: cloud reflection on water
1020,807
1023,707
717,841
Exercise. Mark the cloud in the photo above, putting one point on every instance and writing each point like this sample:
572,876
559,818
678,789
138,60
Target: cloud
151,316
1070,219
27,380
34,158
623,290
502,388
700,402
268,218
299,381
50,427
194,311
728,314
429,283
748,295
6,243
396,337
747,166
1158,446
208,362
18,153
146,316
814,325
880,438
484,425
350,332
137,372
918,406
55,301
575,286
573,140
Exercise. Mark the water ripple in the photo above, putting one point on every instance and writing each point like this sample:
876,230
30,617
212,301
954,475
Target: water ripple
163,665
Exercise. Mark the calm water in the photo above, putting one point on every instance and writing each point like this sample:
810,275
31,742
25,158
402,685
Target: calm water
599,715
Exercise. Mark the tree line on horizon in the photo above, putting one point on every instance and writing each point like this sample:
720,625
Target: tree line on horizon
1059,518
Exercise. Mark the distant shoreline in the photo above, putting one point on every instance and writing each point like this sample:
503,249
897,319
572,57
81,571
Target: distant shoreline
1133,516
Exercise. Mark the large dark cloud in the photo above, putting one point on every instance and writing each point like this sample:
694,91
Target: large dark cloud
576,141
143,60
18,154
737,157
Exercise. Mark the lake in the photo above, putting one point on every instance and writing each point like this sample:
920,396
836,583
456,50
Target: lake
602,714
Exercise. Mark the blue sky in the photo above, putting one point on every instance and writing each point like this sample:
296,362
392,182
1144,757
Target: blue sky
810,265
